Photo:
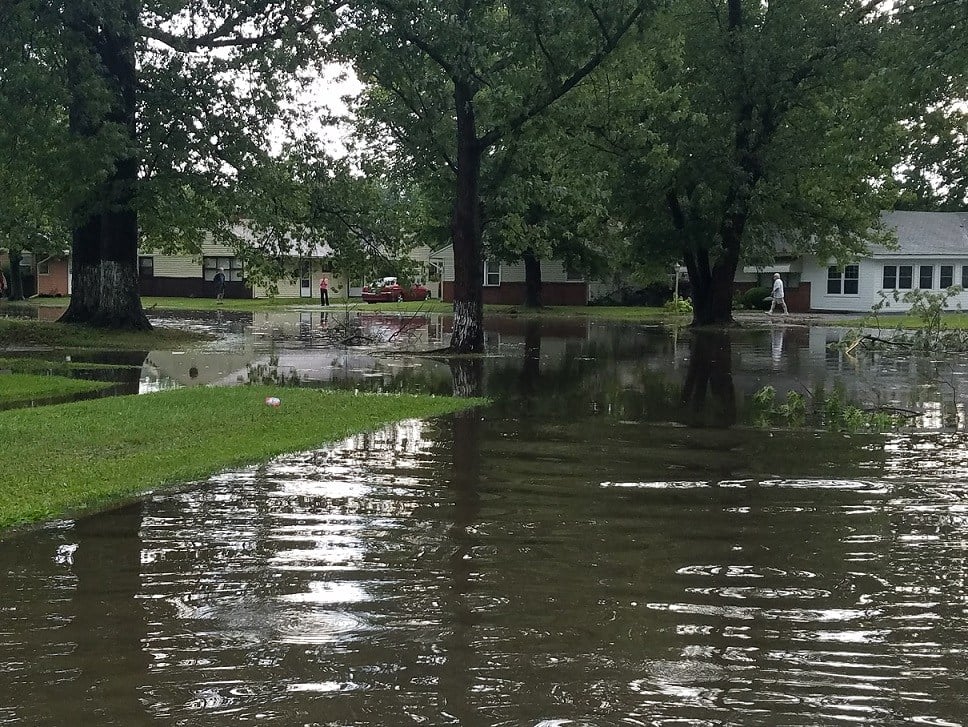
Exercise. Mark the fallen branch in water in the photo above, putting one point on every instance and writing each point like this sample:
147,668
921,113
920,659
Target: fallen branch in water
894,411
877,339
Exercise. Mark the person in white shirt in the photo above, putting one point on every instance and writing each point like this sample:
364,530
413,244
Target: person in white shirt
777,295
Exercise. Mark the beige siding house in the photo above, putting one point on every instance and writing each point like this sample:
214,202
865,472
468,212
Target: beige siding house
194,275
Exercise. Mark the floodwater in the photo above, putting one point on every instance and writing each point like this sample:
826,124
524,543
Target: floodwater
608,543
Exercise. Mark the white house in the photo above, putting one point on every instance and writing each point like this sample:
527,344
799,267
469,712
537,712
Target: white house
932,254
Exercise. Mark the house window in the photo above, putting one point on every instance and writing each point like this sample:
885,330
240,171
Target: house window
43,268
842,282
492,272
146,267
947,278
890,277
231,265
964,277
926,277
905,276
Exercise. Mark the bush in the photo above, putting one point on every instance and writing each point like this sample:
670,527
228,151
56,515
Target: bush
753,299
682,305
653,295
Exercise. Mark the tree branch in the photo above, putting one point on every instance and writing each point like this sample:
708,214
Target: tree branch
553,94
228,33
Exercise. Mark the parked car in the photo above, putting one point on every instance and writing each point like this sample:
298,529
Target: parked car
387,290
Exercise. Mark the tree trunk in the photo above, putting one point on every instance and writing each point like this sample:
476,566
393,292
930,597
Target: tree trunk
712,288
15,281
712,296
104,245
468,334
532,280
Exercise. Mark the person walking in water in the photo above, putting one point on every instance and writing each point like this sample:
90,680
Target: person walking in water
324,291
777,295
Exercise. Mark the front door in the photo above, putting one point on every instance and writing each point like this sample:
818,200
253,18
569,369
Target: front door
305,280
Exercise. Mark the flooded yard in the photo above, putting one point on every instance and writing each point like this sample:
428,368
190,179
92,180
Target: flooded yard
609,542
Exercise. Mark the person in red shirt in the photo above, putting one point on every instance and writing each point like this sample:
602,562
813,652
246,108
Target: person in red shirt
324,291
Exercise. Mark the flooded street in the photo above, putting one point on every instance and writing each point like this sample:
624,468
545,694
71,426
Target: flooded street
608,543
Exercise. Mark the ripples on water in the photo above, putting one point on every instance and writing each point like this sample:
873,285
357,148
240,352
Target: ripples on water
399,578
494,569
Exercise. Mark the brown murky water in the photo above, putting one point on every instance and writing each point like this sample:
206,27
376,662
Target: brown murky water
607,544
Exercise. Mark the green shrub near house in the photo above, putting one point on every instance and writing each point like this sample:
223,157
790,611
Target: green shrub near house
752,299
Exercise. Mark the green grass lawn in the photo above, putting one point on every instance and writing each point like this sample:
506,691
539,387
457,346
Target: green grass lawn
52,366
18,388
20,332
69,458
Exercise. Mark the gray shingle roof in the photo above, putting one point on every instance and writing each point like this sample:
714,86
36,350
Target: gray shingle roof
926,234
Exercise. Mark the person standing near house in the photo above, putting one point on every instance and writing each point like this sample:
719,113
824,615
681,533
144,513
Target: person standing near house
219,284
324,291
777,295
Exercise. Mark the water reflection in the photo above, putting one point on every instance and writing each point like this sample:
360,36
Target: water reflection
708,393
616,370
570,554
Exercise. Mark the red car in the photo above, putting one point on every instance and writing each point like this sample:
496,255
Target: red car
387,290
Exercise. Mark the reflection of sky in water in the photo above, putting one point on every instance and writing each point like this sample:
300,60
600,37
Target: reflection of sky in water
301,520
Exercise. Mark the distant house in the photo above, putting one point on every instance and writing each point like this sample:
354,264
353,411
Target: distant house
932,254
193,275
42,274
53,274
504,283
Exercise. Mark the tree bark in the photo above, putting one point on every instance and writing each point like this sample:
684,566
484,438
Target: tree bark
712,287
468,334
532,280
15,281
104,243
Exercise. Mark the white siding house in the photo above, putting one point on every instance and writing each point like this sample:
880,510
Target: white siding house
932,254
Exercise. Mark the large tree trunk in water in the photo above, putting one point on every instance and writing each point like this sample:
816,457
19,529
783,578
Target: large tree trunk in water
712,288
712,297
15,281
468,334
532,280
105,238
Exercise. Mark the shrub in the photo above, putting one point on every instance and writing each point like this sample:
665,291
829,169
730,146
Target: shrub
682,305
753,298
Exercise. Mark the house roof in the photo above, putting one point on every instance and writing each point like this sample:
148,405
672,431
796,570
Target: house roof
926,234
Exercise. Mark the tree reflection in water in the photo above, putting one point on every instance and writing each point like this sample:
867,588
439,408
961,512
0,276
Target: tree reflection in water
108,623
708,394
